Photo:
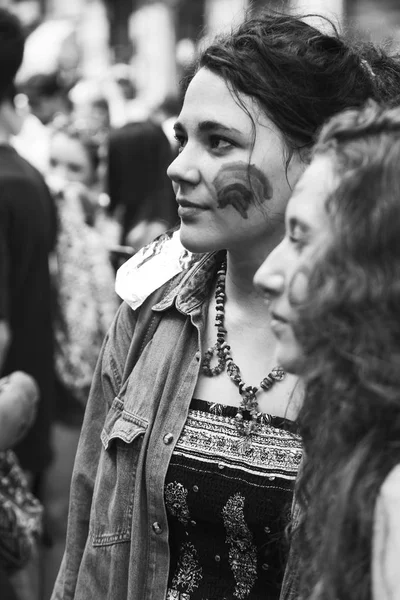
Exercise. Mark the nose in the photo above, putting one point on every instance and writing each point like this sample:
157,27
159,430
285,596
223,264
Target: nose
184,168
269,279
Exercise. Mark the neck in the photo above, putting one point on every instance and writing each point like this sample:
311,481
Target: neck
241,268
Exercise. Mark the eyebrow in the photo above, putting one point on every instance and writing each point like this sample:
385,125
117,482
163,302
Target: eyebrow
207,126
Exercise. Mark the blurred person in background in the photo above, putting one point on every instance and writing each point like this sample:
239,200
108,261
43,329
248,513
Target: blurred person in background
27,236
86,303
186,464
136,107
93,109
47,96
75,161
90,108
121,94
333,292
166,114
19,397
121,73
40,98
141,194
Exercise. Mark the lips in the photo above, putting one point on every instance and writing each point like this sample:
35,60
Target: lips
279,324
187,204
279,318
189,211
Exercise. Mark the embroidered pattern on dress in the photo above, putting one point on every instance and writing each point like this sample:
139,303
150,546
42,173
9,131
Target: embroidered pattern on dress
216,408
189,572
176,501
175,595
273,452
209,443
242,553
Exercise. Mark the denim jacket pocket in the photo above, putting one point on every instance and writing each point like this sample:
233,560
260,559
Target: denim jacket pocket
113,496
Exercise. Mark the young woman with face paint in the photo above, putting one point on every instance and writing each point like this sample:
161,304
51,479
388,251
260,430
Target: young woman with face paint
333,293
183,480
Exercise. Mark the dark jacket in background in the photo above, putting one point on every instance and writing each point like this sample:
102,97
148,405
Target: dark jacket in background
27,235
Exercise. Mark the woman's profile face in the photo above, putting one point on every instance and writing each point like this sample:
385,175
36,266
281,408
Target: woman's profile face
282,278
230,177
70,160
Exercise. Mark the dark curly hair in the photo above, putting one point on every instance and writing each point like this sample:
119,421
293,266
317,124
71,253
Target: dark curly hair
298,75
349,328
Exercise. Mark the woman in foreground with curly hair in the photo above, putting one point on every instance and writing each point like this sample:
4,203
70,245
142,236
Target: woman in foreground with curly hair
333,288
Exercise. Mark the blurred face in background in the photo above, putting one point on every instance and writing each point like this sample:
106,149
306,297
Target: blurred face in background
93,116
70,161
46,107
283,277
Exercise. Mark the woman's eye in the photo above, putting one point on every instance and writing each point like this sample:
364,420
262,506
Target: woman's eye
219,143
293,240
75,168
297,240
181,141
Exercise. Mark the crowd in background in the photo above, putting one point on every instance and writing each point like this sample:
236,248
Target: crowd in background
79,195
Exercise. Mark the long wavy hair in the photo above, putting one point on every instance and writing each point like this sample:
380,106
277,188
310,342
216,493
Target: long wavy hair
350,331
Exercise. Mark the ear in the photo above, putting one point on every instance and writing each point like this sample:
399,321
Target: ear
4,110
10,117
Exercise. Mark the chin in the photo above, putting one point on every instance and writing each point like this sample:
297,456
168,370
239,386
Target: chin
291,359
195,242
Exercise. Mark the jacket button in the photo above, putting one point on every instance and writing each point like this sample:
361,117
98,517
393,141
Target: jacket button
197,356
168,438
156,527
265,567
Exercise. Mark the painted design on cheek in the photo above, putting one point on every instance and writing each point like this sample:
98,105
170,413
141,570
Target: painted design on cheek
240,185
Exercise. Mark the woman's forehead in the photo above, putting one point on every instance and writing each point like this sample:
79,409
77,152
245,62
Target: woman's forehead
311,192
210,98
210,92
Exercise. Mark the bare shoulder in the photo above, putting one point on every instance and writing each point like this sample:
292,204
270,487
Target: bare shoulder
386,540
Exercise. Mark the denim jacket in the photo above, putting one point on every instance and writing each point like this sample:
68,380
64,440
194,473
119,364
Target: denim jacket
117,541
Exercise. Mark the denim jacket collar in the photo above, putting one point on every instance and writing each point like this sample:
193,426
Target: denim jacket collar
191,290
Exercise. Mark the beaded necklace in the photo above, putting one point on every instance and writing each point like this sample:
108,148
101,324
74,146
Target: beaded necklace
222,351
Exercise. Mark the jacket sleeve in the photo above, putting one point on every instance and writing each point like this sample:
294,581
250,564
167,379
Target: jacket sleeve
105,386
386,540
